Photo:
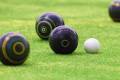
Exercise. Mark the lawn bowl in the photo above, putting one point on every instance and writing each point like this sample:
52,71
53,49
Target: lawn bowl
63,40
114,11
14,49
46,22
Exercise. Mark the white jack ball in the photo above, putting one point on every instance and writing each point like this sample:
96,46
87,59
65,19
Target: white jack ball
92,45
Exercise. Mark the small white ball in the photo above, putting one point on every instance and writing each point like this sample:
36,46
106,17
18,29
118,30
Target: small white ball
92,45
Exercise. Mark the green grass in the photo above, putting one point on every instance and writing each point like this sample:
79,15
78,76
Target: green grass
88,18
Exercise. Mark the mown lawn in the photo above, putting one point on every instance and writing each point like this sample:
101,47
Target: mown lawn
89,18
